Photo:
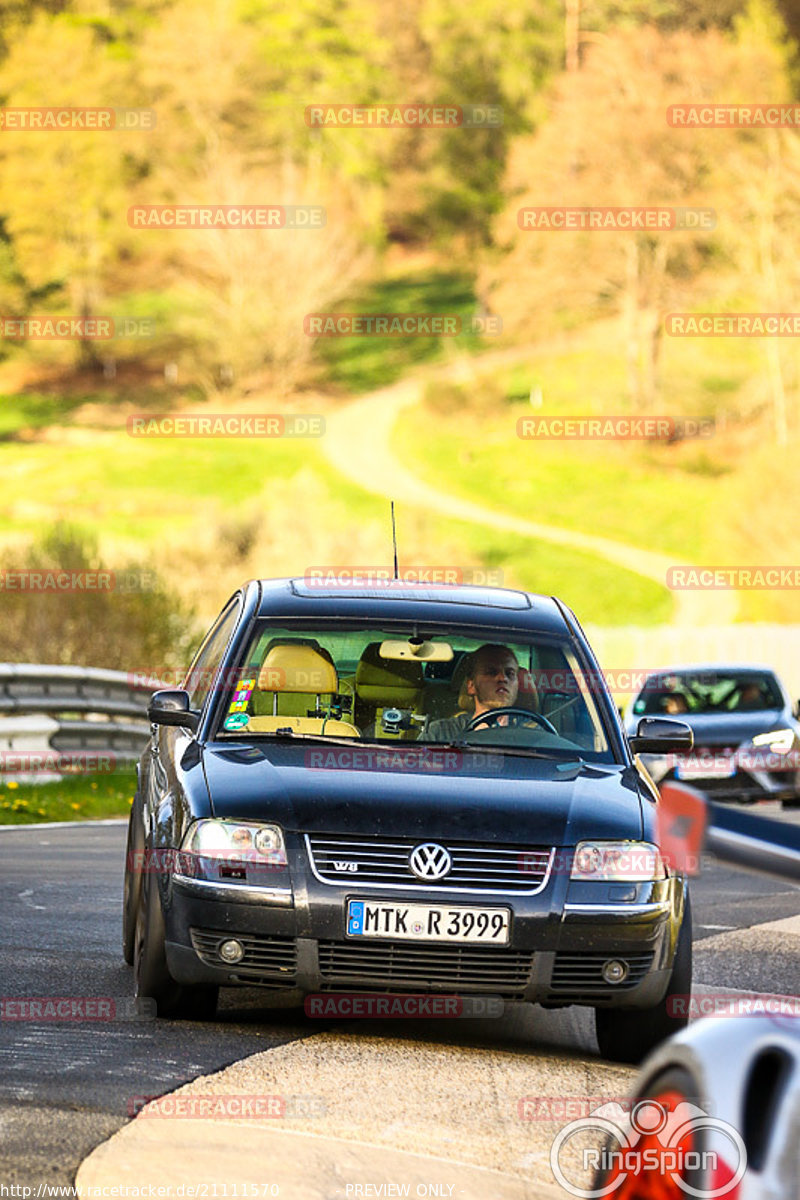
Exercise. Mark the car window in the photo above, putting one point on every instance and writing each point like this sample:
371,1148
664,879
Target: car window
678,692
208,658
343,681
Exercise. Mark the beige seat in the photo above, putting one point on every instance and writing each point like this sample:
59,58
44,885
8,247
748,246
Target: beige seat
383,683
296,688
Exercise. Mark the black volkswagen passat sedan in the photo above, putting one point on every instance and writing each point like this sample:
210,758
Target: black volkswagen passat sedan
746,732
403,790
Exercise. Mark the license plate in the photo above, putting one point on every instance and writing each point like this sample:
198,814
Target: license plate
428,922
715,766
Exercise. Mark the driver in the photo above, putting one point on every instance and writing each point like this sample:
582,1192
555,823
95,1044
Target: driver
491,681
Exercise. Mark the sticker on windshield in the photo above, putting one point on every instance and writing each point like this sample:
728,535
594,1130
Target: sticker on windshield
241,696
236,720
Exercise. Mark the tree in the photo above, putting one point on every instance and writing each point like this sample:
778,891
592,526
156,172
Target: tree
63,194
607,144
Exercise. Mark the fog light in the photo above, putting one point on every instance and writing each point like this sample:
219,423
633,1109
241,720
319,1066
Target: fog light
614,971
231,951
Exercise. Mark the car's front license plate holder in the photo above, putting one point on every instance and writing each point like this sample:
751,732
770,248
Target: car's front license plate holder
462,924
711,766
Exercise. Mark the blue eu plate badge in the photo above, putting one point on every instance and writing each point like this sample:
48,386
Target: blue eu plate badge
355,916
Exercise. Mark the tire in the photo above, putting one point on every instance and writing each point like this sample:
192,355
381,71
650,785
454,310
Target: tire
628,1034
132,887
153,980
673,1086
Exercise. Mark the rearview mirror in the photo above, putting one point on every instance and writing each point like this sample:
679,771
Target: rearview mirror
655,735
171,707
417,648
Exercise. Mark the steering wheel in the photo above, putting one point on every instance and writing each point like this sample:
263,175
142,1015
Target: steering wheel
526,716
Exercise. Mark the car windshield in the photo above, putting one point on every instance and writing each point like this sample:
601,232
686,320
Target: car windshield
680,692
417,684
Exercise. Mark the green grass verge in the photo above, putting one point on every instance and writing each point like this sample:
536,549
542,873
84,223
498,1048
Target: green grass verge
359,364
73,798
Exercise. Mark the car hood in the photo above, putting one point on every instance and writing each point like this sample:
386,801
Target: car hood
732,728
507,799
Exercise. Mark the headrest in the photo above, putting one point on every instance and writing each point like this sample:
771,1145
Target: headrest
295,667
386,681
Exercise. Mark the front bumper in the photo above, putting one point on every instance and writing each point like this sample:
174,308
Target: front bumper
293,934
743,786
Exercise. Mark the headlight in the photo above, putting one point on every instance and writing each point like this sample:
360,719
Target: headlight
237,840
780,741
612,862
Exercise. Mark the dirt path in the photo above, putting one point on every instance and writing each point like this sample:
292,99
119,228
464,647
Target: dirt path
358,444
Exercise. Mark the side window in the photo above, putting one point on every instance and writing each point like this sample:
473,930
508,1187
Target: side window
207,661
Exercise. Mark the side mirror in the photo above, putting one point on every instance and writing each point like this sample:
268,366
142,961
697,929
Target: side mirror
171,707
655,735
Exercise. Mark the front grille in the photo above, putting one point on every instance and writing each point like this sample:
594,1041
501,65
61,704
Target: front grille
507,870
580,974
395,967
265,958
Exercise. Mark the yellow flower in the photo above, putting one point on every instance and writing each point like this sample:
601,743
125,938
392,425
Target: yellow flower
76,807
12,783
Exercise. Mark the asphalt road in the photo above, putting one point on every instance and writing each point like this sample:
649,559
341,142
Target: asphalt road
66,1087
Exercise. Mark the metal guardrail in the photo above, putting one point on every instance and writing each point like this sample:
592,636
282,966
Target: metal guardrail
69,708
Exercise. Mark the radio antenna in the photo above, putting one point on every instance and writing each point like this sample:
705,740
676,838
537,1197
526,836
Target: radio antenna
394,543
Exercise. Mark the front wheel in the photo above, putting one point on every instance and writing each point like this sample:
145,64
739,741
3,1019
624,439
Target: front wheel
628,1034
132,887
153,980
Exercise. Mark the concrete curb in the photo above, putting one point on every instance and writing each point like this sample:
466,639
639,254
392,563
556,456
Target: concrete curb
229,1159
64,824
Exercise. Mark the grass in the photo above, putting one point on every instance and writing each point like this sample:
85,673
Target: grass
359,364
143,496
663,497
73,798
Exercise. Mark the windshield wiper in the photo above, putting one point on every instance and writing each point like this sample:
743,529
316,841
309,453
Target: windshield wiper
498,748
291,735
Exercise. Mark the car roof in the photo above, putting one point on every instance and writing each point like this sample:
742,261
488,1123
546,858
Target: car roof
452,603
698,668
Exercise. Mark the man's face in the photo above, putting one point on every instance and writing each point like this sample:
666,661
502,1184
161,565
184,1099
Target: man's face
495,680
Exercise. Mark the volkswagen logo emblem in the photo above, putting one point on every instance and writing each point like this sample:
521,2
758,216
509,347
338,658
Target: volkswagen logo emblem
430,861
